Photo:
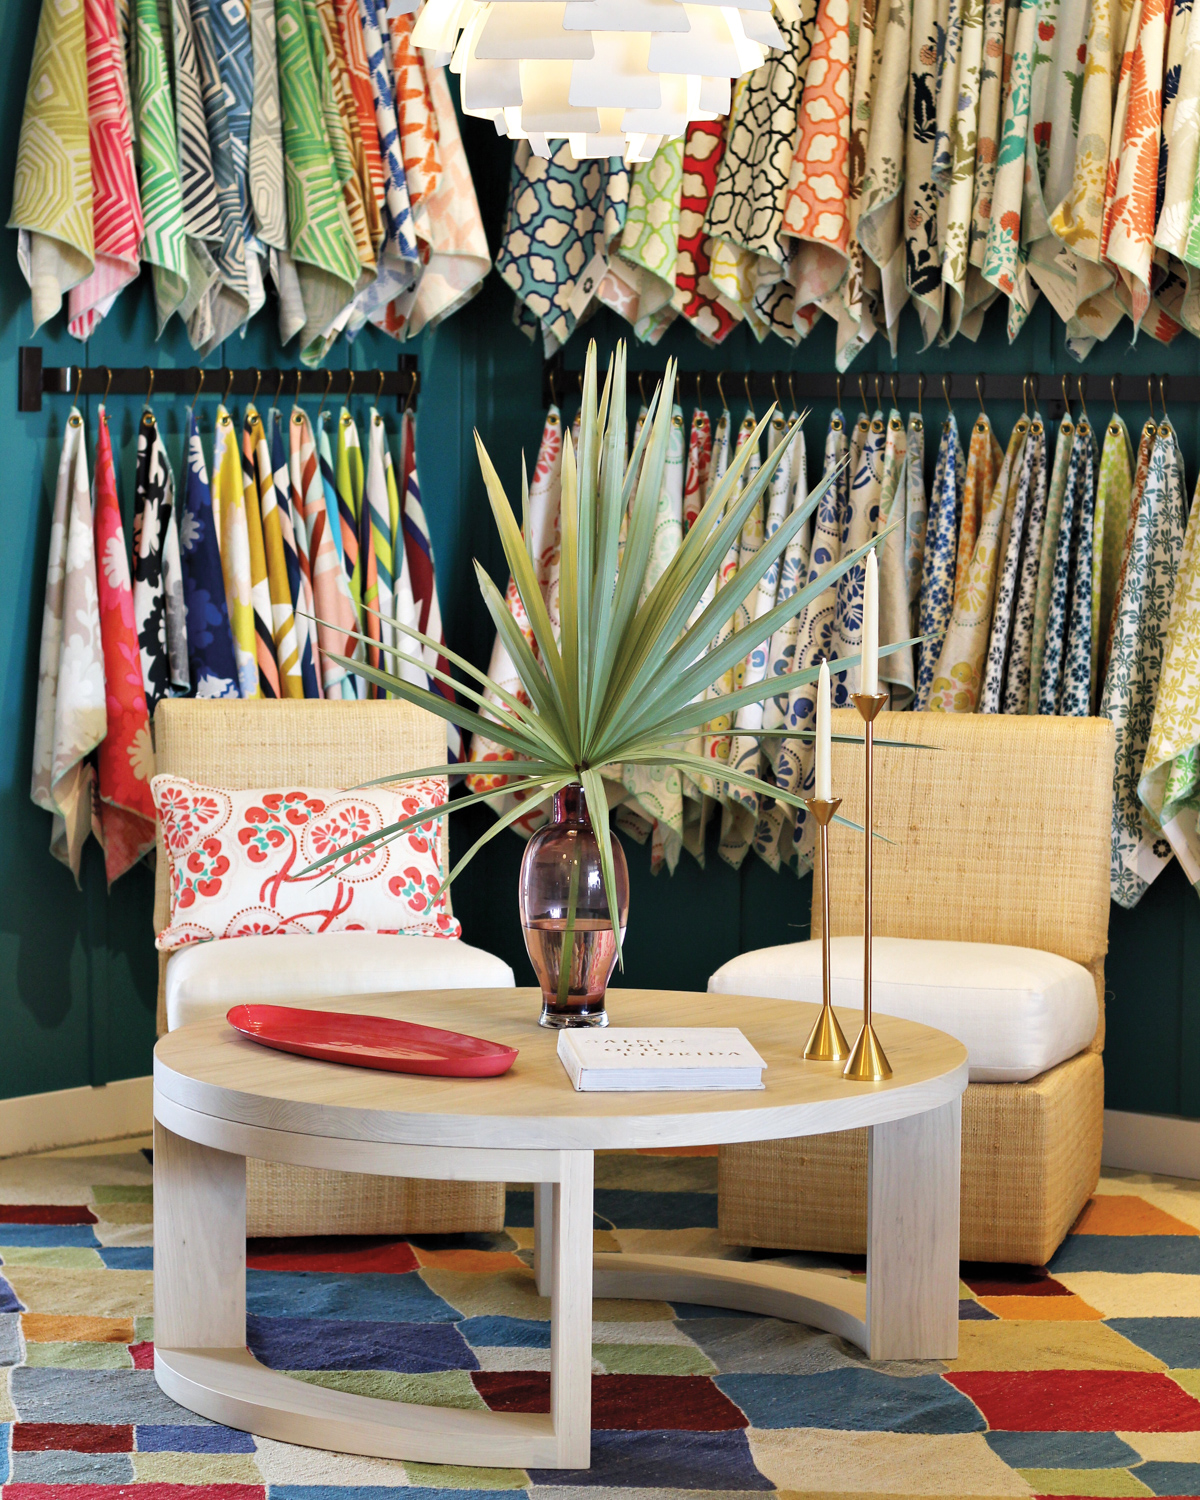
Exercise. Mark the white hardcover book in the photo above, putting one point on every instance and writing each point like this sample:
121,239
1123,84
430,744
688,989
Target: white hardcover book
633,1058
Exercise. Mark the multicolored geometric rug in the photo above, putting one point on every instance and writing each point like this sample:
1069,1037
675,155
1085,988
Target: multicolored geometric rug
1082,1379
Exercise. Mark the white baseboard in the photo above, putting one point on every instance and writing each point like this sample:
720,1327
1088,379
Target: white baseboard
76,1117
1152,1143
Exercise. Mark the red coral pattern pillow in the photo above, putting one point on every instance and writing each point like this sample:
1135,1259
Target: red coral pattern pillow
236,862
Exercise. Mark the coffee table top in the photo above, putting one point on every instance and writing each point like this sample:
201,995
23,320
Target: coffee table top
213,1069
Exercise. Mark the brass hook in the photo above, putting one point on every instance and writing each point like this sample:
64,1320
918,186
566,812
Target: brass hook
1066,399
920,393
877,393
862,395
297,396
297,415
1080,388
379,388
792,389
349,383
641,386
414,385
150,389
1150,397
78,381
1025,395
946,393
892,396
837,386
257,383
108,382
979,393
325,395
699,392
228,390
553,392
775,389
721,391
278,390
749,397
1112,387
199,388
1162,397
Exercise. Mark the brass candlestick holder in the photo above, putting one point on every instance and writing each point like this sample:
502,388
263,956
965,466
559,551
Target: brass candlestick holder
868,1061
826,1043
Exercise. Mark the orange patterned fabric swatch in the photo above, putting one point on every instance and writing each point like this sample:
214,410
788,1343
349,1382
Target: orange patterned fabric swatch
415,117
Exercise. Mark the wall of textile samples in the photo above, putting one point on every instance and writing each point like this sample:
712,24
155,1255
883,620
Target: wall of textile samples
76,969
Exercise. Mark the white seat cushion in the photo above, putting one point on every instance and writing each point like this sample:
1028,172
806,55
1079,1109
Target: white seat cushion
205,979
1018,1011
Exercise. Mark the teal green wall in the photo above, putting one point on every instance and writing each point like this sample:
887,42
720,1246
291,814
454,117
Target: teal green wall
77,967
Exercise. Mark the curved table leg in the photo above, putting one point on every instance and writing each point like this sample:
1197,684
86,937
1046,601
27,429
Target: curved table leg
201,1359
908,1307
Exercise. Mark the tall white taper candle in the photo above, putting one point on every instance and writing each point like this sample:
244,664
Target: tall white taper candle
870,634
824,786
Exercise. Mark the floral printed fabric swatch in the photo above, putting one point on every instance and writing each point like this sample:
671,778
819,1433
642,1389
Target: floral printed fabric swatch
1004,257
916,515
895,670
1072,574
880,227
1055,497
1079,680
859,524
937,583
211,661
1024,553
1139,848
158,603
70,718
1113,490
696,297
959,674
125,756
923,261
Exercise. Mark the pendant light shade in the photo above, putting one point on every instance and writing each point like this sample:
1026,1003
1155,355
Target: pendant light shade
613,77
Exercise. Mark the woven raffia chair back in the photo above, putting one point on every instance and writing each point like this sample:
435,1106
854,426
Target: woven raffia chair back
1001,833
276,742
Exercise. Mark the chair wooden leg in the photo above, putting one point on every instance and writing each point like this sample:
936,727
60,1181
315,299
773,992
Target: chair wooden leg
571,1312
913,1168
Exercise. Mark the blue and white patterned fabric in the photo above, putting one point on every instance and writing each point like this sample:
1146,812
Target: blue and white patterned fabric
211,661
399,257
1016,595
1064,583
859,525
1078,685
562,216
941,537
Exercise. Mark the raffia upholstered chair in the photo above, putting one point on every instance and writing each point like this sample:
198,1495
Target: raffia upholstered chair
264,743
1000,835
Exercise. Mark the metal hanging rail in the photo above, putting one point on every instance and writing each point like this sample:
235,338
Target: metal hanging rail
879,388
37,380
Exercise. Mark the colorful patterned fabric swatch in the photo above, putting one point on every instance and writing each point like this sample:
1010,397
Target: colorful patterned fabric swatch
1141,621
52,188
1005,255
1072,560
1055,497
125,756
116,207
70,718
1113,490
260,583
880,227
1079,683
332,604
859,525
649,248
915,514
229,507
165,232
260,492
211,661
922,255
696,296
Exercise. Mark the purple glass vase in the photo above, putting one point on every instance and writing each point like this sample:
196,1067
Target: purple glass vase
564,909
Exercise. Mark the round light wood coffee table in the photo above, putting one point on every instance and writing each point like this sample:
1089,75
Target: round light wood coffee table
219,1098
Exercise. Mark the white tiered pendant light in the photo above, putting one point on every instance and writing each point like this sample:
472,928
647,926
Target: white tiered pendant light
612,77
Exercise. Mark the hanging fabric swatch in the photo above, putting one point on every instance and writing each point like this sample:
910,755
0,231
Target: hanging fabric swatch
417,544
1141,472
1017,594
322,242
229,505
375,542
937,582
896,670
1008,644
52,187
164,243
262,505
116,207
1055,497
331,591
1071,571
266,656
1113,490
295,557
695,487
696,297
1169,785
70,718
212,664
550,261
1004,262
858,527
358,557
157,576
1139,849
197,180
915,514
958,678
880,227
922,255
125,756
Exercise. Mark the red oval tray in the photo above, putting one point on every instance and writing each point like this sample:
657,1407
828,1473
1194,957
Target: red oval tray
372,1041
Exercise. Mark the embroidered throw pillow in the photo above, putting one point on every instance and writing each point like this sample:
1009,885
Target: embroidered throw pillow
236,861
